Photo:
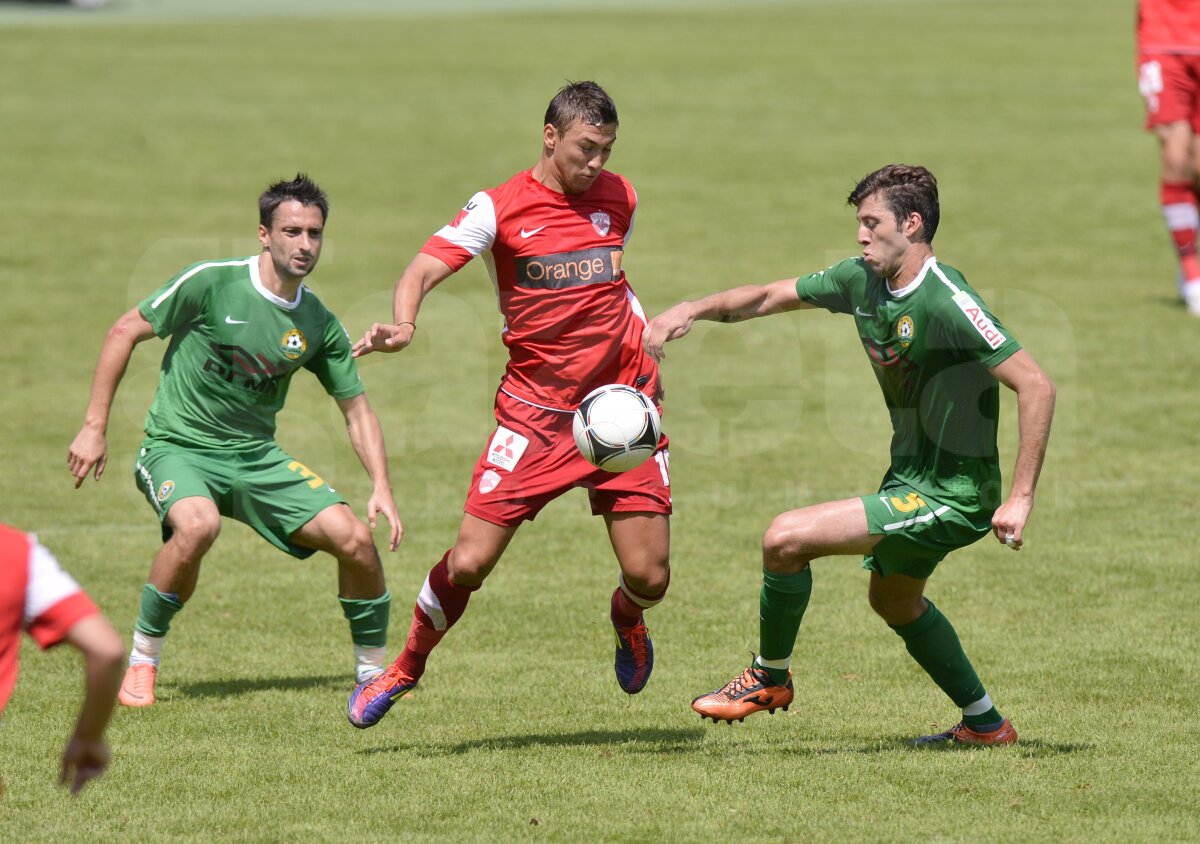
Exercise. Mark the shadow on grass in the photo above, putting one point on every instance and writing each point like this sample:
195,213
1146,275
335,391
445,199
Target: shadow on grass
231,688
892,744
629,741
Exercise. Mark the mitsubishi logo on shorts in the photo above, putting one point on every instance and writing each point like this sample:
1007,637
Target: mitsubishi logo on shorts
506,448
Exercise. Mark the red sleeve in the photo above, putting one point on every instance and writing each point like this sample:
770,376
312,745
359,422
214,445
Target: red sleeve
51,627
455,257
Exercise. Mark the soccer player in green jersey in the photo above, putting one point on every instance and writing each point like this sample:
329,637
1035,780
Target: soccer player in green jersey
240,328
939,355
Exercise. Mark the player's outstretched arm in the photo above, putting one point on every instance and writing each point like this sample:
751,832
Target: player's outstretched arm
422,275
86,754
366,434
733,305
89,449
1035,410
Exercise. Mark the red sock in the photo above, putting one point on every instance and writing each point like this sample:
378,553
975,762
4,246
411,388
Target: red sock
1179,209
622,611
440,604
627,604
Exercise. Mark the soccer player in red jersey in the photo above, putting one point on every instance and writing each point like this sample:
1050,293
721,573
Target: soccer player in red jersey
37,596
553,238
1168,43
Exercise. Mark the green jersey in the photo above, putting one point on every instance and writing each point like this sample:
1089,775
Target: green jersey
931,346
234,347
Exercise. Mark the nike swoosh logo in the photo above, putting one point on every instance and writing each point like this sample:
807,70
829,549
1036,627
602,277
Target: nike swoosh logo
532,233
233,321
861,312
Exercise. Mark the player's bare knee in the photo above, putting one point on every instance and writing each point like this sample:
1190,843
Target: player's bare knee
896,609
783,547
195,532
649,581
467,567
110,650
359,547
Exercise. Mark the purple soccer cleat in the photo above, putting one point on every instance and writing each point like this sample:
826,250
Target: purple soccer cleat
370,701
634,659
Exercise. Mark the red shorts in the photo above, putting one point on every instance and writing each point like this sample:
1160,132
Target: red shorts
1170,85
531,459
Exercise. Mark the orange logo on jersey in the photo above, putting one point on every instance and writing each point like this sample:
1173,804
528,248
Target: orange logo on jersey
904,330
294,344
569,269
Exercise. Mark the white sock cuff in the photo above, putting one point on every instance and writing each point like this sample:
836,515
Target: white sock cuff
978,707
1179,216
369,661
642,601
777,664
145,648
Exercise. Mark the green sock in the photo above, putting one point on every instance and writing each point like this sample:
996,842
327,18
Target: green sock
158,608
368,619
781,606
934,645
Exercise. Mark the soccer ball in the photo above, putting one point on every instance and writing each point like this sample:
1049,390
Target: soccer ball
616,427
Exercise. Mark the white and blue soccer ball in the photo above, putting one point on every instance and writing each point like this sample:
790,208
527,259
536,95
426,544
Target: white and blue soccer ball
616,427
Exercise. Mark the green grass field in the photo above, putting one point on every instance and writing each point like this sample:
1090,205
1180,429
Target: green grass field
135,141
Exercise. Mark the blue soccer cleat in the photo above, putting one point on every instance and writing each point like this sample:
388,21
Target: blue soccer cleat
371,700
634,658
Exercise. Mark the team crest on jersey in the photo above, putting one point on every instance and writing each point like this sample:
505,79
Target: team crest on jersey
601,222
294,344
904,330
164,491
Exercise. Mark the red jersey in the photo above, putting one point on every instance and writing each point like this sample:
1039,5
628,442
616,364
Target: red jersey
35,595
1169,26
572,322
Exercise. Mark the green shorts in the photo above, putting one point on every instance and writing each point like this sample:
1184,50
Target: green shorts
918,531
262,487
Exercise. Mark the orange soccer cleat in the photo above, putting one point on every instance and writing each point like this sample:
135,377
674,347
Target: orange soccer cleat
137,689
749,692
960,733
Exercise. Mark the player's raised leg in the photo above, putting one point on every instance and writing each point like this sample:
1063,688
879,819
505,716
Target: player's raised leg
193,524
793,540
362,590
642,543
440,604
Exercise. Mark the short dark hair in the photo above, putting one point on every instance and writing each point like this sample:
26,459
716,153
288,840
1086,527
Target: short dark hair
302,189
905,188
580,102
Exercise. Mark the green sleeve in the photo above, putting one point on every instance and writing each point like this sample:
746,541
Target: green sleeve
178,302
830,288
335,367
965,325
